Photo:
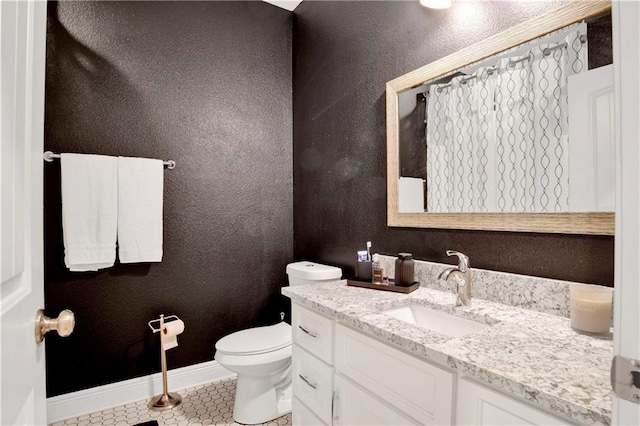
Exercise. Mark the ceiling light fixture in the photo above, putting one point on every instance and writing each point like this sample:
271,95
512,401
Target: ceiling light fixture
436,4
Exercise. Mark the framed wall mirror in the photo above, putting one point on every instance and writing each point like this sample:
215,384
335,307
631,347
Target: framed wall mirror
514,133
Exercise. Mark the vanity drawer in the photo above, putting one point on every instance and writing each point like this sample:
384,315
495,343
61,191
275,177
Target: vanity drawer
303,416
479,405
313,332
312,382
416,387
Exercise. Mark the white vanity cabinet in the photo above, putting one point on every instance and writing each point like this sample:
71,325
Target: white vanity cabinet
344,377
341,377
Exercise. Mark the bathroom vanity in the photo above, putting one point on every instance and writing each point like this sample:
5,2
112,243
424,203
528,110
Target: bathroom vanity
367,357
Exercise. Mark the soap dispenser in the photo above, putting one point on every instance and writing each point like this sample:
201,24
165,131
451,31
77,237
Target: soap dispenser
404,270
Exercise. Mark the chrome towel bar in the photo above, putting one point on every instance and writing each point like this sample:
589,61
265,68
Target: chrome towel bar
50,156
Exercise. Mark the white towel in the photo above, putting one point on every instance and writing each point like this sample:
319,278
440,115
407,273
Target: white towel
410,195
89,210
140,182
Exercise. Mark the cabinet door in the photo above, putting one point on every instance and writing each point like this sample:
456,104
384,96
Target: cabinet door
354,406
303,416
478,405
416,387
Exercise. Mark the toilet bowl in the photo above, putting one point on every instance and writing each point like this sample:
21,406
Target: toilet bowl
261,357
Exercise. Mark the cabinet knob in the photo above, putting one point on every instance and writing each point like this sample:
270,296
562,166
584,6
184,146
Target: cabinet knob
64,324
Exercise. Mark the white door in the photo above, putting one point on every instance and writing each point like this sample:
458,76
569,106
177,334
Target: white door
22,67
592,178
626,59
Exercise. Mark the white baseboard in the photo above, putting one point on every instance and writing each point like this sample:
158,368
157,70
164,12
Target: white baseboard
102,397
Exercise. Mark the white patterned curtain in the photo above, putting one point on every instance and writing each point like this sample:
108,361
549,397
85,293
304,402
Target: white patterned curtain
497,139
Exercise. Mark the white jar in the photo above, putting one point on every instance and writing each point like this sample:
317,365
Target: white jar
591,307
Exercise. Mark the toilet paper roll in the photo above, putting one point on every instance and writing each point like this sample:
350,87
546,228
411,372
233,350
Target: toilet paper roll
170,332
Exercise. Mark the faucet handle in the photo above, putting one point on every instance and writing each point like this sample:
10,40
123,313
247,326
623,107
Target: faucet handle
463,260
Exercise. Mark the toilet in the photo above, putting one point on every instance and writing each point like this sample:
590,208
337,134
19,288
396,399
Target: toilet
261,357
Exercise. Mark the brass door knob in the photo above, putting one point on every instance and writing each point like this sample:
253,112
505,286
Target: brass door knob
63,324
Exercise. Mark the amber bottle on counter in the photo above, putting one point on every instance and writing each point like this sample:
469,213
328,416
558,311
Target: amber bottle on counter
404,270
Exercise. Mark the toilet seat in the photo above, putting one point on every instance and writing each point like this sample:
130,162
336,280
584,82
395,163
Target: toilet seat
257,340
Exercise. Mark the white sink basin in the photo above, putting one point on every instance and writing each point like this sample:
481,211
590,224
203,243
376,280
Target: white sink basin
437,321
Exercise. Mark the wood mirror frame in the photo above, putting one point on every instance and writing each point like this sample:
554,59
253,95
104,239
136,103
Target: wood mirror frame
601,223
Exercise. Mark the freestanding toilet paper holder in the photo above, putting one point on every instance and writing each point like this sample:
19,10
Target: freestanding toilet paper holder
167,400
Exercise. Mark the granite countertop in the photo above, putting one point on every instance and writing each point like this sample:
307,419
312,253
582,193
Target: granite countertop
532,355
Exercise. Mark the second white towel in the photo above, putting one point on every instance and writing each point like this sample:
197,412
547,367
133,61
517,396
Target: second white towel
140,191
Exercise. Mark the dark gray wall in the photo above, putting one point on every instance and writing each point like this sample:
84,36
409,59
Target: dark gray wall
344,53
207,84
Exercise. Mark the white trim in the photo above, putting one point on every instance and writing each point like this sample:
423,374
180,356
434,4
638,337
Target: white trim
102,397
285,4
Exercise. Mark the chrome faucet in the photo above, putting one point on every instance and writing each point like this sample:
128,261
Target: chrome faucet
463,286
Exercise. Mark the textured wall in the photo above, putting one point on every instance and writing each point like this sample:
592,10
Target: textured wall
207,84
344,53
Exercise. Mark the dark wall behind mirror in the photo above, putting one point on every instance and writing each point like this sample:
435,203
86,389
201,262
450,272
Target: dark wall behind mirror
600,32
344,53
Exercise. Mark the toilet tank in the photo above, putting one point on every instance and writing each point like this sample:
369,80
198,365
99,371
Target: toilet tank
309,272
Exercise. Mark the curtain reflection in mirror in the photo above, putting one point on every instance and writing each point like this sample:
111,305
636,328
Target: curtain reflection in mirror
497,139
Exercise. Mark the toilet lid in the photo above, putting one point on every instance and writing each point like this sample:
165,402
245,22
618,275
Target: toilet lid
256,340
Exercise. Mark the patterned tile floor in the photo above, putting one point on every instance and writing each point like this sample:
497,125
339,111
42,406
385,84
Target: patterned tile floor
210,404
